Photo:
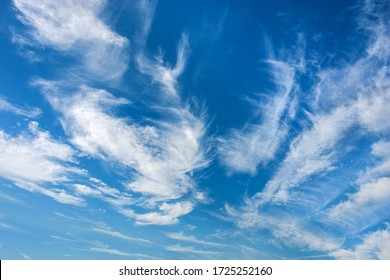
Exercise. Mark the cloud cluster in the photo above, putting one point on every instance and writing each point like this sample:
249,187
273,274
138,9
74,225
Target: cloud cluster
36,162
75,27
160,159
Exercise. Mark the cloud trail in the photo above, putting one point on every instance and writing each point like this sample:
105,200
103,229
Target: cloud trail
243,150
26,111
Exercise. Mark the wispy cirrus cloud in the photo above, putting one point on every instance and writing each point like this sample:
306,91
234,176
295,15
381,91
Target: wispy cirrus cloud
95,188
161,161
29,112
351,101
285,228
192,239
4,225
62,26
26,257
364,207
160,158
57,193
191,250
109,232
312,152
367,204
163,73
243,150
145,13
106,249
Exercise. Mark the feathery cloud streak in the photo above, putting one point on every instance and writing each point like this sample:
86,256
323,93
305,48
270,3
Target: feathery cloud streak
26,111
242,150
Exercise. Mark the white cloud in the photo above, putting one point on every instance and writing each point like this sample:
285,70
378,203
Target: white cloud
163,73
59,195
381,152
365,206
375,245
251,253
169,213
6,226
86,191
62,26
12,199
26,257
373,112
312,152
296,235
122,236
189,238
29,112
243,150
381,149
300,208
100,190
191,250
161,158
355,95
34,156
145,10
56,237
284,227
33,159
111,251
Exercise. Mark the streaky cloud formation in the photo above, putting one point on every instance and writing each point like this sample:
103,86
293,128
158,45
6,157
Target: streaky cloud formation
103,248
163,73
120,235
348,98
189,238
191,250
29,112
244,150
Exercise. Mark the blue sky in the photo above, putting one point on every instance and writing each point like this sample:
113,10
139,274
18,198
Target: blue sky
194,129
